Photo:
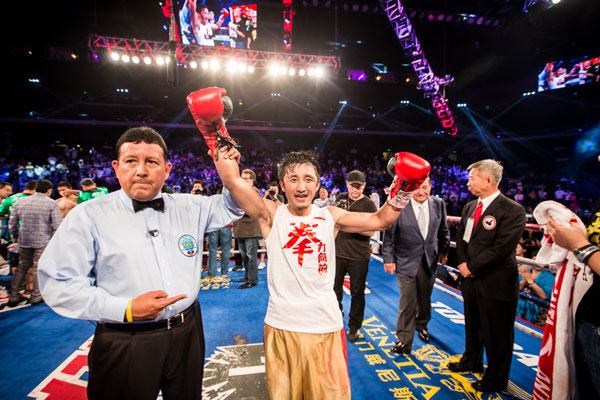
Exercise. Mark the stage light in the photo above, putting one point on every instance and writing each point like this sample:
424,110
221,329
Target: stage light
320,71
365,8
125,58
292,71
355,7
34,80
250,69
413,13
479,21
135,59
231,66
311,72
430,17
470,21
160,60
167,60
204,64
214,64
440,17
449,18
555,1
114,56
193,64
404,102
283,70
147,60
241,67
274,69
344,102
345,7
302,72
461,105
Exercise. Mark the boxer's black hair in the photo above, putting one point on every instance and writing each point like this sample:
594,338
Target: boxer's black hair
290,160
64,184
142,134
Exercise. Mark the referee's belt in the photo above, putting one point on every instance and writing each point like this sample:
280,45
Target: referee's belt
168,323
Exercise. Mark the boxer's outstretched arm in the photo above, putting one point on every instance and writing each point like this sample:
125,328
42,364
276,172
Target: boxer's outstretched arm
409,171
262,210
356,222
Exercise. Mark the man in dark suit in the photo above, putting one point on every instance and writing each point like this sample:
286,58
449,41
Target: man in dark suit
486,240
412,247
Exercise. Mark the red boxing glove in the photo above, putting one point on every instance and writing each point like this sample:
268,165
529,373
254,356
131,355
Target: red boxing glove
225,13
210,109
409,171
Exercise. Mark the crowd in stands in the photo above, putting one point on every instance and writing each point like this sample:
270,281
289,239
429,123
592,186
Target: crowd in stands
449,181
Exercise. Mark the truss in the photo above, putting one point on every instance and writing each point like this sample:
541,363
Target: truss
432,85
102,46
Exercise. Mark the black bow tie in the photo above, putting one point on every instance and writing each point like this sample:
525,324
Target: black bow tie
157,204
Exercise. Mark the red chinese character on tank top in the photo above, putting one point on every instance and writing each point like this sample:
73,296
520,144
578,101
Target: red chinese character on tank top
301,247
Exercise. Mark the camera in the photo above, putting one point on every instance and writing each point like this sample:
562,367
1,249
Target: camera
197,191
271,193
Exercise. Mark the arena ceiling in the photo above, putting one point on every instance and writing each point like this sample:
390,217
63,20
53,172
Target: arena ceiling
493,64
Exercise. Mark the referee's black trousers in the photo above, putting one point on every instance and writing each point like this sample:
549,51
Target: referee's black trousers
135,366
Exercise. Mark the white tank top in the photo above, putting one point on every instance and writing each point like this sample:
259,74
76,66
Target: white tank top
301,273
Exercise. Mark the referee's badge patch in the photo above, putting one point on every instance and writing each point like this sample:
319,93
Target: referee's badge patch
188,245
489,222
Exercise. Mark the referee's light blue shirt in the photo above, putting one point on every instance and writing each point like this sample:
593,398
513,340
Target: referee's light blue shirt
103,254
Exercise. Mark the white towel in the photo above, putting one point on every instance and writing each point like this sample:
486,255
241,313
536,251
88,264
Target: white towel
556,367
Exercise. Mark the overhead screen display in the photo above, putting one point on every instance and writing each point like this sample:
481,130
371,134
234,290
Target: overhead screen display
560,74
216,23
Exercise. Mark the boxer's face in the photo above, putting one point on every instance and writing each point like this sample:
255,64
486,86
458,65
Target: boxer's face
62,190
204,15
300,185
141,170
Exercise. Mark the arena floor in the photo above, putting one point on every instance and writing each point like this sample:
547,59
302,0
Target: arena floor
45,355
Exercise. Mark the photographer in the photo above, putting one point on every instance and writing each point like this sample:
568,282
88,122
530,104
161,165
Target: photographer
198,188
272,193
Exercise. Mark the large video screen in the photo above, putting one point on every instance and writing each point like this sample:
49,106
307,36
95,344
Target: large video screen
217,23
560,74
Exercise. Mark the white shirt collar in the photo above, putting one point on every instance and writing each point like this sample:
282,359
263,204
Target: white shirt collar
416,205
488,200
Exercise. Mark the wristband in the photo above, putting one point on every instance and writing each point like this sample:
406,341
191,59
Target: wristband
128,313
584,253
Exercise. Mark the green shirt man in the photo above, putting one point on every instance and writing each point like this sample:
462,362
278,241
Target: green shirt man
90,190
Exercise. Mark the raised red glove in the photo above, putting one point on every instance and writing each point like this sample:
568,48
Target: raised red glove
225,12
210,109
409,171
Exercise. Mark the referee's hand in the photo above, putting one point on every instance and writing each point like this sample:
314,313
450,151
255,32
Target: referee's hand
150,305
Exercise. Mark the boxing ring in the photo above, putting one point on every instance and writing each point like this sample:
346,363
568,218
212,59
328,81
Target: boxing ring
51,351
